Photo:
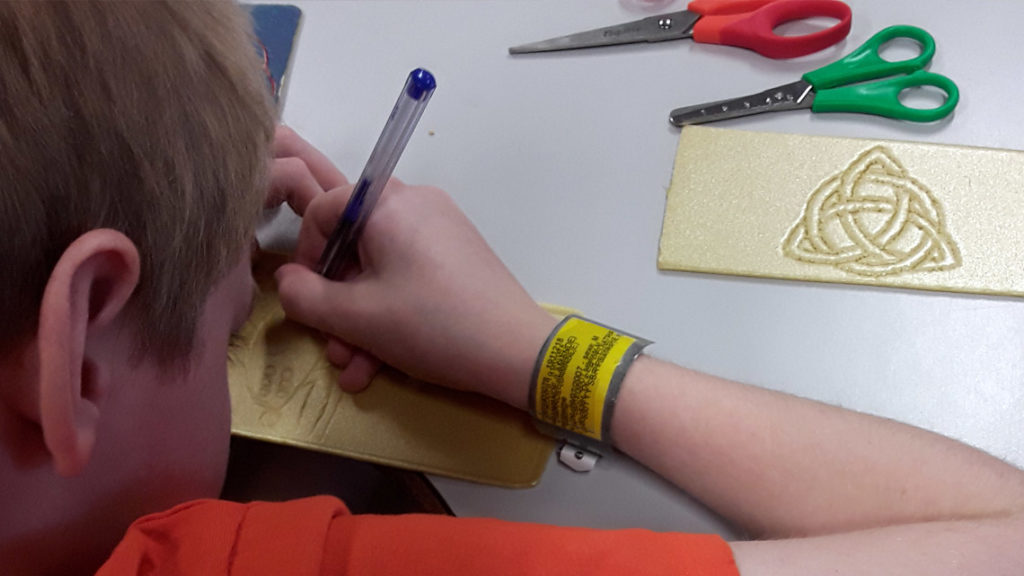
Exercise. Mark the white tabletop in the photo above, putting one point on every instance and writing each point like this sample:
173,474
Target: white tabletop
562,161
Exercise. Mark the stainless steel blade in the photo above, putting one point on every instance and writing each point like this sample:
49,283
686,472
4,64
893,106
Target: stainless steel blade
670,26
796,96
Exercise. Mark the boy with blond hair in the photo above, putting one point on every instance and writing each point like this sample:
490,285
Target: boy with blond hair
138,147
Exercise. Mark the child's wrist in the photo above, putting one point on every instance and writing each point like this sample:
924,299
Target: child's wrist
512,381
577,377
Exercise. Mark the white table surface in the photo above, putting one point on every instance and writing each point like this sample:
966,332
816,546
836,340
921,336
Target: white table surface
563,161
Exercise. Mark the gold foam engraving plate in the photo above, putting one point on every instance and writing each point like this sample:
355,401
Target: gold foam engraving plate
284,390
885,213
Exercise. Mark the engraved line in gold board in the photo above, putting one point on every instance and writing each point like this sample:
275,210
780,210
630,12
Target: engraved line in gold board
873,219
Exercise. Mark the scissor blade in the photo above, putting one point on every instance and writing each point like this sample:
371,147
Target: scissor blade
651,29
795,96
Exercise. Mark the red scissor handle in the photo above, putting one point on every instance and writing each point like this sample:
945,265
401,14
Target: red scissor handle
755,30
721,7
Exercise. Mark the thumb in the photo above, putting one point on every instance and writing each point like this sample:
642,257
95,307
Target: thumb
315,301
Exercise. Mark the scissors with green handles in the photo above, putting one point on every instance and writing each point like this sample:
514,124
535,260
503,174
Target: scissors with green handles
843,86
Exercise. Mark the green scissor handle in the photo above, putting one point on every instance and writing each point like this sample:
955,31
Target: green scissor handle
882,98
865,63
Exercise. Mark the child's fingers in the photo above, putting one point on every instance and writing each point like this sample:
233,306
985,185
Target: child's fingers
336,308
287,143
318,222
338,352
359,372
321,217
291,181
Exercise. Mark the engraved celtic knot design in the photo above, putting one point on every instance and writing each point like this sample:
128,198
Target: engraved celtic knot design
873,219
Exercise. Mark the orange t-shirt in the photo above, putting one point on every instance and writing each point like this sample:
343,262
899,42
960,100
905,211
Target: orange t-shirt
318,535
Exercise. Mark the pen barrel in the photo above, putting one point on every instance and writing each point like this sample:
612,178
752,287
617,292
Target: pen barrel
341,249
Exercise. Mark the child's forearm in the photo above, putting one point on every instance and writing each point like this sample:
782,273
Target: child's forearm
782,466
984,547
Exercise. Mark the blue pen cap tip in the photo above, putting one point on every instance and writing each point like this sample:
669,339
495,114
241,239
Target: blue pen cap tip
421,84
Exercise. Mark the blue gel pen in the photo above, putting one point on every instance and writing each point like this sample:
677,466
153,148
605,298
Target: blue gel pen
342,245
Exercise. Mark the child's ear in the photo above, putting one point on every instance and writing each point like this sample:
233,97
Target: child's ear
86,294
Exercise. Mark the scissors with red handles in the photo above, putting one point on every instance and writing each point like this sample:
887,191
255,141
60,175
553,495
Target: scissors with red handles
744,23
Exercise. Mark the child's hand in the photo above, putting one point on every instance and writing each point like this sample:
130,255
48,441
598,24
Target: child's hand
299,174
431,297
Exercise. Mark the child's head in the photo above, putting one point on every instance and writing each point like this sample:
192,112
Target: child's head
141,117
134,141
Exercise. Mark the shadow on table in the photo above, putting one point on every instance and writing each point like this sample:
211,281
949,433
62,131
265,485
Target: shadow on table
271,472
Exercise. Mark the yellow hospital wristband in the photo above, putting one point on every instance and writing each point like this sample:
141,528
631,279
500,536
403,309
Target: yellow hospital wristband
577,377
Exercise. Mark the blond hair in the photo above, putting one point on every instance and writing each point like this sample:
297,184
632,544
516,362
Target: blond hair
151,118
